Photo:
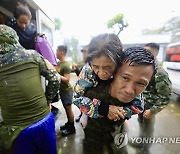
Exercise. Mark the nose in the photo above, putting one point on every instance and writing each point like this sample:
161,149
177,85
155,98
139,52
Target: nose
130,89
100,72
23,26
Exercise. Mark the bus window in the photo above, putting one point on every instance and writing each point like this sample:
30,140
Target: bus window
47,31
173,52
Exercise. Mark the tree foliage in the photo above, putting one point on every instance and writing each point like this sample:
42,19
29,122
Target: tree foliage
57,23
171,27
72,45
117,23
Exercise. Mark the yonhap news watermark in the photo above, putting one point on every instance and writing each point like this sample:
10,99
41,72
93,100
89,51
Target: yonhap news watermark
155,140
122,140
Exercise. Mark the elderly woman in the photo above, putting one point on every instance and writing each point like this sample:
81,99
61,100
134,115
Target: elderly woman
24,104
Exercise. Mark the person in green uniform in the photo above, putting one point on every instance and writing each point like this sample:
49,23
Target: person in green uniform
103,60
66,90
78,67
131,79
24,104
156,97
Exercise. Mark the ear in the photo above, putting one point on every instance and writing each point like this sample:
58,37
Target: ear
155,53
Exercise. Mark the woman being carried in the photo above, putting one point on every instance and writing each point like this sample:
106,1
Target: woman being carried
104,57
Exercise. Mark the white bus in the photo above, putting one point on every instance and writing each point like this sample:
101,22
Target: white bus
172,65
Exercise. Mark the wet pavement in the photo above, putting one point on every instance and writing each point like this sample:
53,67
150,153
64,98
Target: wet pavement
167,125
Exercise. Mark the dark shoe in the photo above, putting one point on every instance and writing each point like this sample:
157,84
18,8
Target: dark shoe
78,118
55,111
65,126
68,131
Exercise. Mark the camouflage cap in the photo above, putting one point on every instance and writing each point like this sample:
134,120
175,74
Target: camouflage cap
9,40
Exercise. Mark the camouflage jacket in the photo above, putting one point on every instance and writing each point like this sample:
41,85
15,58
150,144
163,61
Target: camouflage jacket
9,47
91,106
158,93
103,129
22,98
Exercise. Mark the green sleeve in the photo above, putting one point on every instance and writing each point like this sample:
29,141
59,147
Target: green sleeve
52,76
163,88
66,68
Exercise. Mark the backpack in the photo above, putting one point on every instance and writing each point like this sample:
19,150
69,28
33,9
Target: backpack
44,48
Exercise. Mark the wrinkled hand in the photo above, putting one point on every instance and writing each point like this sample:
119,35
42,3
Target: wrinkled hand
116,113
148,114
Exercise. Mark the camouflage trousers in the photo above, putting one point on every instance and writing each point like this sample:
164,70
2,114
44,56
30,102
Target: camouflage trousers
146,125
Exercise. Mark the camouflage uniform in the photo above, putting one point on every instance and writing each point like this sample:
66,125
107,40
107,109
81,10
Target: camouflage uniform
100,132
22,97
156,97
88,79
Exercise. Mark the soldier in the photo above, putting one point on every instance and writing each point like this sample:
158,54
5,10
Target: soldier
156,97
104,58
131,79
24,104
66,90
78,67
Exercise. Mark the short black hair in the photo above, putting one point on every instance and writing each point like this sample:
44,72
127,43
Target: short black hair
24,2
139,55
22,10
153,45
62,48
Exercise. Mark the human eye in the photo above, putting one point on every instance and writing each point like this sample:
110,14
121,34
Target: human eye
108,68
95,66
125,78
141,84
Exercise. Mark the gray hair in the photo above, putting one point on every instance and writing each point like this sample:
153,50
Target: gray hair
108,44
